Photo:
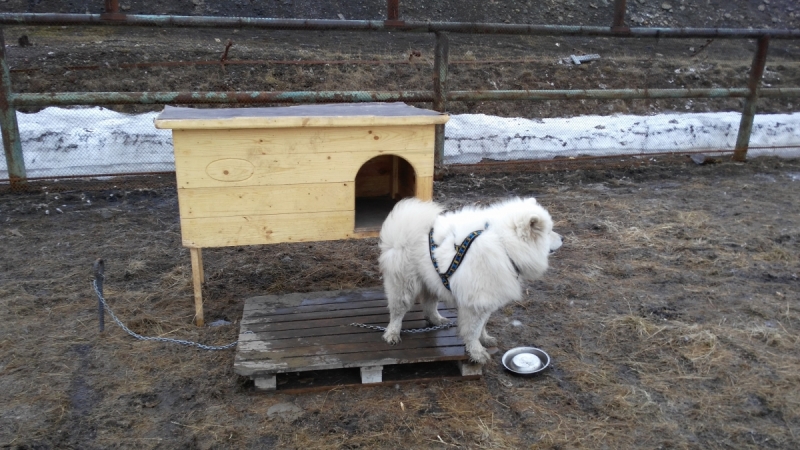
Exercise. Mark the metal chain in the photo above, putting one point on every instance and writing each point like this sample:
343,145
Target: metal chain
443,326
150,338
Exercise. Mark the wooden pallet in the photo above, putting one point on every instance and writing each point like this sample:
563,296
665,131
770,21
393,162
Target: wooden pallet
313,334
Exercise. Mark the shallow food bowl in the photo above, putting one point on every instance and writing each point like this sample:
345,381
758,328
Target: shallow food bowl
526,360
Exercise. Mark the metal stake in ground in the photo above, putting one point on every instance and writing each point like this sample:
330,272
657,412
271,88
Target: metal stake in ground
98,289
99,269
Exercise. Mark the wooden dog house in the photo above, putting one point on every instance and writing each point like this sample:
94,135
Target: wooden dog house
292,174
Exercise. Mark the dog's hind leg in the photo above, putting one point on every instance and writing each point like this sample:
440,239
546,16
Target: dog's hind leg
400,298
430,308
470,328
486,339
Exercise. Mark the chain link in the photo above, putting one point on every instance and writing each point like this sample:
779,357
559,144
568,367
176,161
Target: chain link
443,326
157,339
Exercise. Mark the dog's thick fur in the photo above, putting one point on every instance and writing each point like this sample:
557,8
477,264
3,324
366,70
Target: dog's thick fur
513,248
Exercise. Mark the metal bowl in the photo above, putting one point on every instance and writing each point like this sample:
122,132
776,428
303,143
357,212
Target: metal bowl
526,360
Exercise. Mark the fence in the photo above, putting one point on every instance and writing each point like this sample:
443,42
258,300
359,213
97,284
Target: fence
466,140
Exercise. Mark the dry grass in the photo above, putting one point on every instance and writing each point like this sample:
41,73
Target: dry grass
670,314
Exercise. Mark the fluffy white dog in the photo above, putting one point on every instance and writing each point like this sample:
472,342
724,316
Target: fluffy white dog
475,258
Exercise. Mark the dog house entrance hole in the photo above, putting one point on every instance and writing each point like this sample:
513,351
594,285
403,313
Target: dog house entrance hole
380,183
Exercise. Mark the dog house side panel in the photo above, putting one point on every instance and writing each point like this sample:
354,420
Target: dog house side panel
267,229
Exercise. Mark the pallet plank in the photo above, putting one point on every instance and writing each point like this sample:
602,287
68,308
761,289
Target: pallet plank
346,336
373,318
256,350
248,367
323,331
304,311
290,301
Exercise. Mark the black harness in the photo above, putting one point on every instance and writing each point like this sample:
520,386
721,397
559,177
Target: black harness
461,251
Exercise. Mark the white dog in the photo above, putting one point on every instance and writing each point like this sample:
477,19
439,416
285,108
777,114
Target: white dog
492,249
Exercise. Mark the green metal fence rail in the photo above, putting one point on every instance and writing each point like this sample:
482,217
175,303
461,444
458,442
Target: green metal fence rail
438,95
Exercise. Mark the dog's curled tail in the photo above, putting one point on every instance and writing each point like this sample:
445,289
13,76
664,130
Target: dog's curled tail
410,219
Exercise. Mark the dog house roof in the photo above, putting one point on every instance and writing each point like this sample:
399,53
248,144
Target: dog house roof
331,115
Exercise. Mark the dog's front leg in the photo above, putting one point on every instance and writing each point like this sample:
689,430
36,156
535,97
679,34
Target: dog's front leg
470,328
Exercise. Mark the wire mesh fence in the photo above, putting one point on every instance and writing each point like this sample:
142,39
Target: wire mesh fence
90,142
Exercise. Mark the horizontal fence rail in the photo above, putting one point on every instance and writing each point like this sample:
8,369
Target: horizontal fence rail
252,97
387,25
438,96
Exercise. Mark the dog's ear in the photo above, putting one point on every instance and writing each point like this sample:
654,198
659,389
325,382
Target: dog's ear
536,225
530,228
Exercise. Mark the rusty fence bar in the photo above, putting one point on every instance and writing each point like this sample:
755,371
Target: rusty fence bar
231,98
257,97
749,111
12,146
112,6
119,19
440,65
392,10
618,23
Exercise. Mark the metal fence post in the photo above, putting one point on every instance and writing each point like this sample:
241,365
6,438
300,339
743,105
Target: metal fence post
111,11
440,63
393,14
619,16
8,122
393,10
750,102
99,276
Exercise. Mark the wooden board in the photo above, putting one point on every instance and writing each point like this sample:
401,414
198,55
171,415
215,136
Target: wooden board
332,115
316,335
424,188
281,141
259,200
267,229
221,164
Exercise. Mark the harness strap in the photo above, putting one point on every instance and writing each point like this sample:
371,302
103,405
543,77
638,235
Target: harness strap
461,251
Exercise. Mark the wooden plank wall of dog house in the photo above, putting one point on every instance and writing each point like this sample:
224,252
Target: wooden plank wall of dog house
265,157
281,199
304,175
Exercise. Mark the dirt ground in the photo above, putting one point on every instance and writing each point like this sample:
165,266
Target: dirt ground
671,313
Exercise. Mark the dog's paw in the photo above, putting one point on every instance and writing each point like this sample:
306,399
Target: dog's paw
489,341
437,320
391,338
479,356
